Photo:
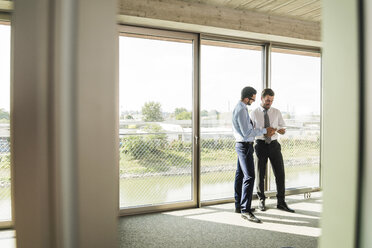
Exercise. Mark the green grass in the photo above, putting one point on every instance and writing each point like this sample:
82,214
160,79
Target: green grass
5,167
210,157
167,159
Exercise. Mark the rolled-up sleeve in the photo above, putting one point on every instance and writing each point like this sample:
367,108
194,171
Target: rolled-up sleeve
281,122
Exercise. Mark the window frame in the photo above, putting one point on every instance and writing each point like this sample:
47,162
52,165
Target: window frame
5,20
195,119
266,82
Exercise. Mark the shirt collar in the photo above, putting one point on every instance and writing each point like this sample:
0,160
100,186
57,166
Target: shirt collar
262,108
242,104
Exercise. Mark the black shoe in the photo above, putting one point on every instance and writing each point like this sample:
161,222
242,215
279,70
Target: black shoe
261,205
237,210
284,206
251,217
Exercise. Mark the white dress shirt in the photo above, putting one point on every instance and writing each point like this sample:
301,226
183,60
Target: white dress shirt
275,117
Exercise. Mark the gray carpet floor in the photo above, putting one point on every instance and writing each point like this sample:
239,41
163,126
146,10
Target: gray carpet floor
219,226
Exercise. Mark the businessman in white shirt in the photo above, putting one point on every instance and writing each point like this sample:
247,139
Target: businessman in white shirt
269,148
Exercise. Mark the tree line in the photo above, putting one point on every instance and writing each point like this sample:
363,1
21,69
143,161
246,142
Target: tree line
151,112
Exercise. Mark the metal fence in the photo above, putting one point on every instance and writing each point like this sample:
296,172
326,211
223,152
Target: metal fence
157,167
5,180
301,156
218,165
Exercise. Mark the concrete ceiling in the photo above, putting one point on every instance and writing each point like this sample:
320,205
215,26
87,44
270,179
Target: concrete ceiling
308,10
298,19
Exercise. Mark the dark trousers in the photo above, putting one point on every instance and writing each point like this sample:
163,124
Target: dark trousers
273,152
244,177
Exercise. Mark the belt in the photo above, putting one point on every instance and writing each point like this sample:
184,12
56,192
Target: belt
262,141
246,142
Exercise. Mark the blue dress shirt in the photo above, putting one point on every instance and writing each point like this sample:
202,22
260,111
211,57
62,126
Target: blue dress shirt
242,126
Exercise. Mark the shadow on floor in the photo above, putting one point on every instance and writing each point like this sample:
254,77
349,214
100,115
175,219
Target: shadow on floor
219,226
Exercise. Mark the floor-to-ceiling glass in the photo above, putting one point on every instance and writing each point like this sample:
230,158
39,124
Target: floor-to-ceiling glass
226,68
296,80
5,176
159,101
156,122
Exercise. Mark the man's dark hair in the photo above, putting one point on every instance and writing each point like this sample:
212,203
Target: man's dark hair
267,91
248,92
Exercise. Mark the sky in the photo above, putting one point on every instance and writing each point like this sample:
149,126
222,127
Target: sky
224,72
161,71
153,70
5,67
296,82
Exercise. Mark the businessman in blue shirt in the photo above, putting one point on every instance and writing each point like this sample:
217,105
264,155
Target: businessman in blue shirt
244,134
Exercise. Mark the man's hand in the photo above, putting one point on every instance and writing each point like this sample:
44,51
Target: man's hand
270,131
281,131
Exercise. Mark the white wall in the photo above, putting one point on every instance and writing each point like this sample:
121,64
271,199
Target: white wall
340,123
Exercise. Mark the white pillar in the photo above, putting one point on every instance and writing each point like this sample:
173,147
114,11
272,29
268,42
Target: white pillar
366,214
340,143
65,123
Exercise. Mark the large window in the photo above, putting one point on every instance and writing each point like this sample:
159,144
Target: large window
226,68
296,80
5,182
176,143
156,102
